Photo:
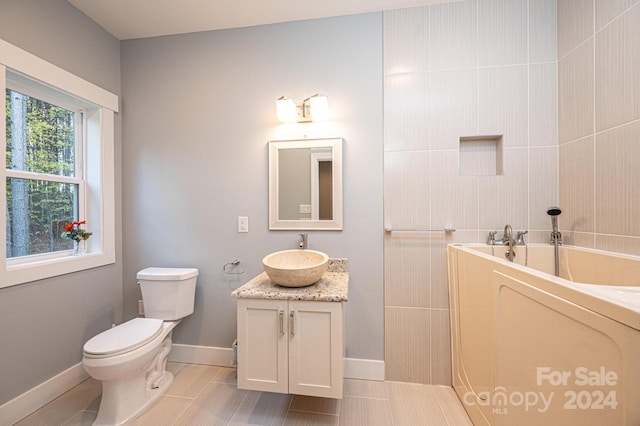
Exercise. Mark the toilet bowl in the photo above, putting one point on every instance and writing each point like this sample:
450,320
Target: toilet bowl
130,359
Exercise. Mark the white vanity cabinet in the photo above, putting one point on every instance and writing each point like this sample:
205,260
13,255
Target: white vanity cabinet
291,346
292,340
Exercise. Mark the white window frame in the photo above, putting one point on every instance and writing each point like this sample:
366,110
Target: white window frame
99,107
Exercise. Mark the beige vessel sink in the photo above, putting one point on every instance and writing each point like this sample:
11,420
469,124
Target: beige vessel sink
295,268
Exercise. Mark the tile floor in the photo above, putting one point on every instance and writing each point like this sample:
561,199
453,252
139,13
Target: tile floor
207,395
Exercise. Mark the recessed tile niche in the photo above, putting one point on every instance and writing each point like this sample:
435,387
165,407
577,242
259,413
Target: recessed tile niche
480,155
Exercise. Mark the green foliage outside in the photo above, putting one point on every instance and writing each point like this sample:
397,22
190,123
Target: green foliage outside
48,148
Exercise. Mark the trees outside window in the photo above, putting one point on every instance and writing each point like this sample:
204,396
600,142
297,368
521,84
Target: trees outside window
43,174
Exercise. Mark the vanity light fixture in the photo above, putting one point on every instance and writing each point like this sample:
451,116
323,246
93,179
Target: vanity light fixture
314,108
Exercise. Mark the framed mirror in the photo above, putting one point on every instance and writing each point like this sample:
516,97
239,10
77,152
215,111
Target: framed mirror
305,184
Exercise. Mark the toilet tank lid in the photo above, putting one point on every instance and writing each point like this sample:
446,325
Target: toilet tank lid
160,274
125,337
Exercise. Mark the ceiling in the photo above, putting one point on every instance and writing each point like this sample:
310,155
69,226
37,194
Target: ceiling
127,19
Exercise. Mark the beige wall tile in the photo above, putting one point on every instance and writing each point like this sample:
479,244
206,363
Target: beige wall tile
406,123
608,10
453,35
439,270
543,185
542,31
426,113
439,278
617,67
501,39
454,198
406,184
480,156
618,181
575,24
582,239
453,107
576,189
503,104
618,244
407,344
504,199
543,104
540,237
407,269
440,347
575,94
406,40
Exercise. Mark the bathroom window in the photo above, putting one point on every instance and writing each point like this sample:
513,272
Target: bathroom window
58,144
45,182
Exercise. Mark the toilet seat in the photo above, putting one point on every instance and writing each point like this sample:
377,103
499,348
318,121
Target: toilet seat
123,338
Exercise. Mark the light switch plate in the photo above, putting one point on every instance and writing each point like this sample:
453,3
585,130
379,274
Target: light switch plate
243,224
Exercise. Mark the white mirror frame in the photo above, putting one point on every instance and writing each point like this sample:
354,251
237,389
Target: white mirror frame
307,224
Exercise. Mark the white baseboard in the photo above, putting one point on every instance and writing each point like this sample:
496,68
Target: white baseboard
206,355
365,369
35,398
354,368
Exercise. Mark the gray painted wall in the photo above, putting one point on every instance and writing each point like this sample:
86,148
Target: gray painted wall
44,324
198,110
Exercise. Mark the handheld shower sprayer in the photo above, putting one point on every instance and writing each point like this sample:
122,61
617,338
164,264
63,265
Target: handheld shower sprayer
554,212
556,236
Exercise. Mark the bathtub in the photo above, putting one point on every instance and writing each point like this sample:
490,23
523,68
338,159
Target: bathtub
530,348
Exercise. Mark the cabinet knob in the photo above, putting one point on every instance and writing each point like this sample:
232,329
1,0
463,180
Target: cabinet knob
292,326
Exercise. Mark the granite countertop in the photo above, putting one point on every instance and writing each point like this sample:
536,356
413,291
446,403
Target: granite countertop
332,287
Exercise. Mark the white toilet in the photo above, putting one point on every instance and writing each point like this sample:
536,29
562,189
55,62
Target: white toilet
130,359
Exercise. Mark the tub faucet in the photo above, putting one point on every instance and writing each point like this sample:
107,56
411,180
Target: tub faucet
520,238
491,240
304,244
507,240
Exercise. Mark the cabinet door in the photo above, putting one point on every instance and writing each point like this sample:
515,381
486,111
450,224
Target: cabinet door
262,345
316,348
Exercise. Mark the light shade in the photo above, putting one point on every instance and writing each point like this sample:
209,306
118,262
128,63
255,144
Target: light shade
286,110
319,107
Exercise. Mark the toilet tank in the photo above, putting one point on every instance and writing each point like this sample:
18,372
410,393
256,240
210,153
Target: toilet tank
168,293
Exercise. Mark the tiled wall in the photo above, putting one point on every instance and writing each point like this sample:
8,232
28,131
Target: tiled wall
476,67
599,127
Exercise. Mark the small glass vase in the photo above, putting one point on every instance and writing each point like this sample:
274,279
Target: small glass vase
79,247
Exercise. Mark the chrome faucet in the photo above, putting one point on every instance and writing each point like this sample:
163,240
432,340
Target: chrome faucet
491,240
507,240
304,244
520,238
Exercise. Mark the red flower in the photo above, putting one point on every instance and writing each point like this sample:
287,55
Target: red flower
68,226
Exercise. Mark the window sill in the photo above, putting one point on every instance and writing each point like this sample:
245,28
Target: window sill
19,273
